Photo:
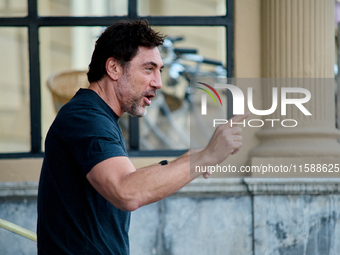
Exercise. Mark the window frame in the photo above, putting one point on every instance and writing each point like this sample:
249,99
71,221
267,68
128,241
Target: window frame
33,22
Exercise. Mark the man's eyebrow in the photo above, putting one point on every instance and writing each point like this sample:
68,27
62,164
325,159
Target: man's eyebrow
153,64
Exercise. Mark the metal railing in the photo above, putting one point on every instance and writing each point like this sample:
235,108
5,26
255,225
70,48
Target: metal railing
18,230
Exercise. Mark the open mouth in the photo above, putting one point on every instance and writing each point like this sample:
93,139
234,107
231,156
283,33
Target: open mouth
148,97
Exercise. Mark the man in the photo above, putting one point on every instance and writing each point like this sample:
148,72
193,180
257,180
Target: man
88,186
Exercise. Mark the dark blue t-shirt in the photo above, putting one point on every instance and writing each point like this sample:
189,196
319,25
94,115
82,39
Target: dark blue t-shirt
73,218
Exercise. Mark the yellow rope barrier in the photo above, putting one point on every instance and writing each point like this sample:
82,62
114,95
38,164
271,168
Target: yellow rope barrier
18,230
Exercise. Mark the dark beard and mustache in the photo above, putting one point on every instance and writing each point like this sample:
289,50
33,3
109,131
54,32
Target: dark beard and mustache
132,105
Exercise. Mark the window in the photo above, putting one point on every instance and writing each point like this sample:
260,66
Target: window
42,37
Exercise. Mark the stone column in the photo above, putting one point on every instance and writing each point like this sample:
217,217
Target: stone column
298,43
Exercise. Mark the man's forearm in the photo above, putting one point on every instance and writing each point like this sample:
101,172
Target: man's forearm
153,183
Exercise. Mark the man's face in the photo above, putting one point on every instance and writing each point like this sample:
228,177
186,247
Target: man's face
139,82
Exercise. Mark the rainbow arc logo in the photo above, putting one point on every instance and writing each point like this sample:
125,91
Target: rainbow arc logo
204,97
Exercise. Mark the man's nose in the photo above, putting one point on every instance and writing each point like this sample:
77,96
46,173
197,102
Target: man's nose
157,81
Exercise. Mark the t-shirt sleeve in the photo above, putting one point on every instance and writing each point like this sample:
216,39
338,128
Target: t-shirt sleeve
92,138
96,150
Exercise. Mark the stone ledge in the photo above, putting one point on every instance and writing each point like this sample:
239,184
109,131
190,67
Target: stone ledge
293,186
216,187
18,189
260,186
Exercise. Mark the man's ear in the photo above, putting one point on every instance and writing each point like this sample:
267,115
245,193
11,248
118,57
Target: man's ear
113,68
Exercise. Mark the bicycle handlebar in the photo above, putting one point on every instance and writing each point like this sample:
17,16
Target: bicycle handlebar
201,59
175,39
212,62
185,51
173,55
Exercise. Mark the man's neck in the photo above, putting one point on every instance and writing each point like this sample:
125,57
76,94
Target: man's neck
106,91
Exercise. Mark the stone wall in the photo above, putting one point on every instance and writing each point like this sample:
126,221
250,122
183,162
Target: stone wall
215,216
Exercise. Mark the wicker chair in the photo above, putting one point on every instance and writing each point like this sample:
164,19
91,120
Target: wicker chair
64,86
